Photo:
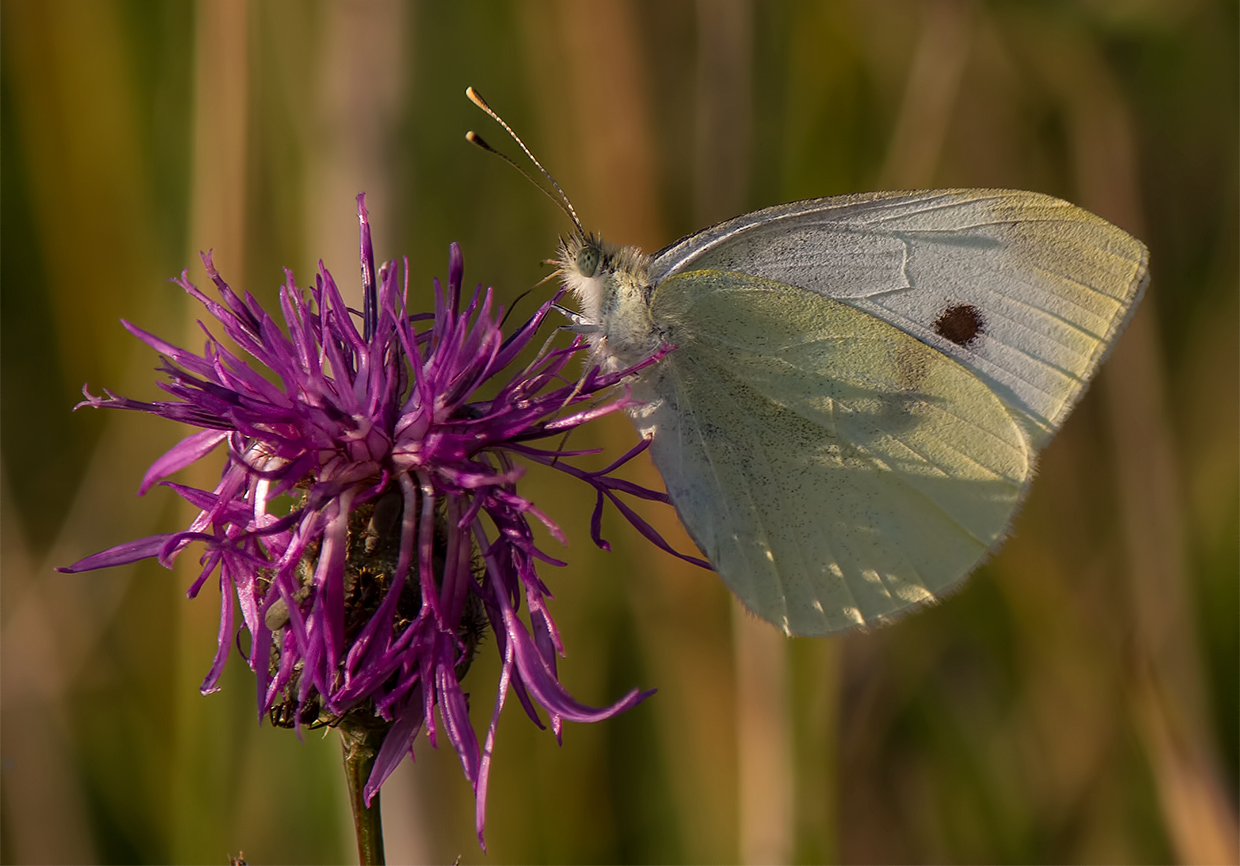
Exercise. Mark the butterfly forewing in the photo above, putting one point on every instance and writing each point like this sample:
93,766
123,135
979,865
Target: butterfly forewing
1026,291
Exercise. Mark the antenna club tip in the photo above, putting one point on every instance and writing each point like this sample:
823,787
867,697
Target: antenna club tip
476,98
476,139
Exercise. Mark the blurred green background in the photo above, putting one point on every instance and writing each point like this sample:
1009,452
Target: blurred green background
1076,701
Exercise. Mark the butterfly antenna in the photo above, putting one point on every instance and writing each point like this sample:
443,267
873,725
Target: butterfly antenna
474,138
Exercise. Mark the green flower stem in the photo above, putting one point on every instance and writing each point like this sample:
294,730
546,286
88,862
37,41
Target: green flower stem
361,739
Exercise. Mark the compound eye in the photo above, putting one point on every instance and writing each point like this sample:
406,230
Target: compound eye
587,260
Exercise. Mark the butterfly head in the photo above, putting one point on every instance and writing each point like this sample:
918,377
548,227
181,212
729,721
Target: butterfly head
590,268
611,286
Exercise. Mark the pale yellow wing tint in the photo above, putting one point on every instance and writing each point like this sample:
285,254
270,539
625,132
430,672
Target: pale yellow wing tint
1051,285
834,469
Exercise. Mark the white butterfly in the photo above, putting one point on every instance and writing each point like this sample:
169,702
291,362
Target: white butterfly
859,384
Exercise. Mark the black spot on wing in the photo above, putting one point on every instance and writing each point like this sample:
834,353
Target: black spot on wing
962,324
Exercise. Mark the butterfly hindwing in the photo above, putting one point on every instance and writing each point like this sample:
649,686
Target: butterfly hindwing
834,469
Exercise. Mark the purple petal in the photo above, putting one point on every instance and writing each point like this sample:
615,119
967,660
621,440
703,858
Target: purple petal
542,682
188,450
122,554
397,743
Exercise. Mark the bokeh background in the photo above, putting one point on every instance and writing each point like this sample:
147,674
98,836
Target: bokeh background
1076,701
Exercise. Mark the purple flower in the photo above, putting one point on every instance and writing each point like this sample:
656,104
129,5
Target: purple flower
348,528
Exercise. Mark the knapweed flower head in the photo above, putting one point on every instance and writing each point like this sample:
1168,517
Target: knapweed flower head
367,526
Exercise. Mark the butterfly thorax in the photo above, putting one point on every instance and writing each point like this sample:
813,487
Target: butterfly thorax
611,286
